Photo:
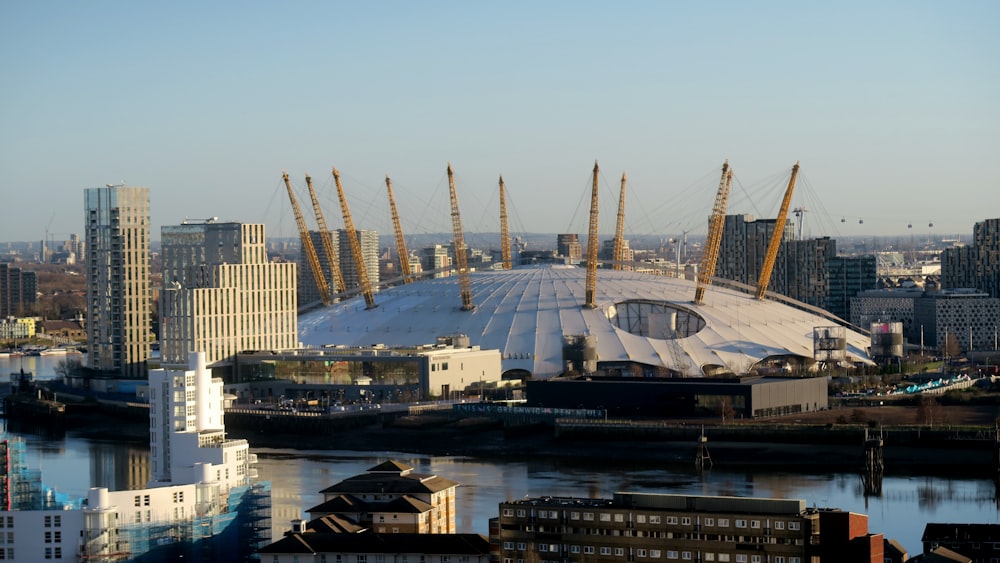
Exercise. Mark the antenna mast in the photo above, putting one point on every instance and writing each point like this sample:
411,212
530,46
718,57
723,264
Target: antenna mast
307,245
332,259
619,243
776,236
592,246
504,231
404,254
461,259
352,236
715,225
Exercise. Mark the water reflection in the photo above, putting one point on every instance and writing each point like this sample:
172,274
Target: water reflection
906,503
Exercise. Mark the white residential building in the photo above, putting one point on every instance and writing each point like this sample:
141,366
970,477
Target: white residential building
201,499
222,295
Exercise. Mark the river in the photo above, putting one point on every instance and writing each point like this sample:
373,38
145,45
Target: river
906,504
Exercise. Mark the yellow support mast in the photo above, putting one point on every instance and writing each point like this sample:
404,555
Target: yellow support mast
715,225
307,245
504,231
404,254
352,236
619,243
327,240
592,246
776,236
461,259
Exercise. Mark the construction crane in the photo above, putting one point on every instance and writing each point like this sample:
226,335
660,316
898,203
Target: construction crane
504,232
404,255
779,230
307,245
592,246
461,259
327,241
352,236
619,242
711,255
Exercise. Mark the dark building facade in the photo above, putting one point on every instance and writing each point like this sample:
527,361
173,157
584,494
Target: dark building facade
976,266
18,291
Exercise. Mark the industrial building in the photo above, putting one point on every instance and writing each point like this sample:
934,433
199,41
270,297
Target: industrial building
528,314
118,312
221,295
202,502
631,397
663,527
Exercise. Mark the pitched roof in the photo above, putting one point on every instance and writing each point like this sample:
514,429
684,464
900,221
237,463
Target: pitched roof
427,544
934,531
347,504
391,466
391,483
945,555
333,524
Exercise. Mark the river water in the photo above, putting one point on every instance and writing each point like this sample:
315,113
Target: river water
907,502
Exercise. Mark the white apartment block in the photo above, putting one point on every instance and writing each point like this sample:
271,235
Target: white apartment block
221,295
199,479
118,312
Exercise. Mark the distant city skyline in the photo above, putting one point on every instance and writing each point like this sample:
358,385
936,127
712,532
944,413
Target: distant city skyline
889,107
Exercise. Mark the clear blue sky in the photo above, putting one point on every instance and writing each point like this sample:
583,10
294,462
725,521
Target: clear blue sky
893,108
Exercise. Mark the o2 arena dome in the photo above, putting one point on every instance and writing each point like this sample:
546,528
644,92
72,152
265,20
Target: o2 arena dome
532,314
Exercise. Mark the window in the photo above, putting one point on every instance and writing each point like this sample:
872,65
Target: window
686,556
588,549
574,549
779,559
57,551
755,524
793,525
145,500
640,518
654,519
605,517
640,553
671,519
588,515
138,501
709,521
619,551
755,559
48,521
508,545
709,556
671,554
57,537
741,558
57,521
741,523
508,512
521,546
574,515
724,557
362,559
605,551
521,513
686,520
779,525
48,537
794,560
619,517
48,553
654,552
723,522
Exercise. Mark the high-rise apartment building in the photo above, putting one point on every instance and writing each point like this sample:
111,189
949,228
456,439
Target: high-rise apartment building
976,266
309,293
807,270
568,245
369,252
18,291
118,312
221,295
434,258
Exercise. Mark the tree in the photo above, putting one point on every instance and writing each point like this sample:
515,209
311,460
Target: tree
926,410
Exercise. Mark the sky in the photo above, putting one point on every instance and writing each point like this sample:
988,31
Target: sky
892,108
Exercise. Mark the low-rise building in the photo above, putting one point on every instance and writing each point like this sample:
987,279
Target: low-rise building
657,527
398,548
391,499
976,542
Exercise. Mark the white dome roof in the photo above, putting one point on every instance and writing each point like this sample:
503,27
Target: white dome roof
526,312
